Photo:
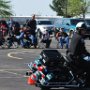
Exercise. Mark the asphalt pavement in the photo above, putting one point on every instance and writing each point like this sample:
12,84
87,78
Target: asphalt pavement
13,66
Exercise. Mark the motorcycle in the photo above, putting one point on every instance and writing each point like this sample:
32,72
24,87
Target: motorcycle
53,70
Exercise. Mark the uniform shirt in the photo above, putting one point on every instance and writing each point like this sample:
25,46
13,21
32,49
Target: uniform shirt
77,46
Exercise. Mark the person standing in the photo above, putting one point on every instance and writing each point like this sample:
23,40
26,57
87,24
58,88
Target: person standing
10,25
32,25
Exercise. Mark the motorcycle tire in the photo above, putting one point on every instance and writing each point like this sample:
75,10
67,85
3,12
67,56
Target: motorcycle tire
45,88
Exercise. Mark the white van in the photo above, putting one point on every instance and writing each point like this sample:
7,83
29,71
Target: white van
43,25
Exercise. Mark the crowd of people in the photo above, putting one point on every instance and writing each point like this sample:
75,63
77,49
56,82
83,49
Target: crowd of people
26,36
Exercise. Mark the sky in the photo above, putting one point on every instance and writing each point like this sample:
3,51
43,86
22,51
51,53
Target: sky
29,7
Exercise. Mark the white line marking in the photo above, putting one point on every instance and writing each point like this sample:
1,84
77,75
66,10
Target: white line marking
11,56
14,69
18,75
12,72
13,77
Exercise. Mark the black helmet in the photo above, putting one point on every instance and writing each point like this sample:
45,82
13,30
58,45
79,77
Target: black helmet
81,26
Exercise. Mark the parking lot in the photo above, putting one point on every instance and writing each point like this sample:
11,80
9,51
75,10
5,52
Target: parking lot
13,66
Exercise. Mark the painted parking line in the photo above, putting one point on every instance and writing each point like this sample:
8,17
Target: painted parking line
7,77
17,75
14,69
13,53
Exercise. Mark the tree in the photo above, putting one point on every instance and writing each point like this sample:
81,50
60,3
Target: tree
70,7
84,7
5,8
78,7
74,7
58,6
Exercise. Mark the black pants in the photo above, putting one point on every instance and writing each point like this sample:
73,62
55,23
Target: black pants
48,42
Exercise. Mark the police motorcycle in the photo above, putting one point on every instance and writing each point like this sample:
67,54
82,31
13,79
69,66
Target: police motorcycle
52,70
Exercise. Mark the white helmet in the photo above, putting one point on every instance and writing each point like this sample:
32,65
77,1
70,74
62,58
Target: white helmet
81,25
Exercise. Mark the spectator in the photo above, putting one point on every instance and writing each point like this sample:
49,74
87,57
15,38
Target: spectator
63,39
56,30
16,28
46,39
10,24
21,37
71,32
32,25
58,35
4,27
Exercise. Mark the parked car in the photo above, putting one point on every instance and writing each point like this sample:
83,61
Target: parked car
43,25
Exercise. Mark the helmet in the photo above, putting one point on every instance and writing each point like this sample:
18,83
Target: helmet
81,26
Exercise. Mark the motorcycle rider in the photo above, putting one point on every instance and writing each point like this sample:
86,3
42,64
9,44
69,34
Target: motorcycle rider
77,52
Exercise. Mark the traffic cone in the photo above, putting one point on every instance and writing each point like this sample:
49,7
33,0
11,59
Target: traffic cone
32,80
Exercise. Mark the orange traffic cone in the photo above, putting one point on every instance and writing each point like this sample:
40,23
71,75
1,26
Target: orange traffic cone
31,80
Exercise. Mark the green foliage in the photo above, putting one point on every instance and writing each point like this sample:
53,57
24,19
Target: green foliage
58,6
5,8
70,7
74,7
